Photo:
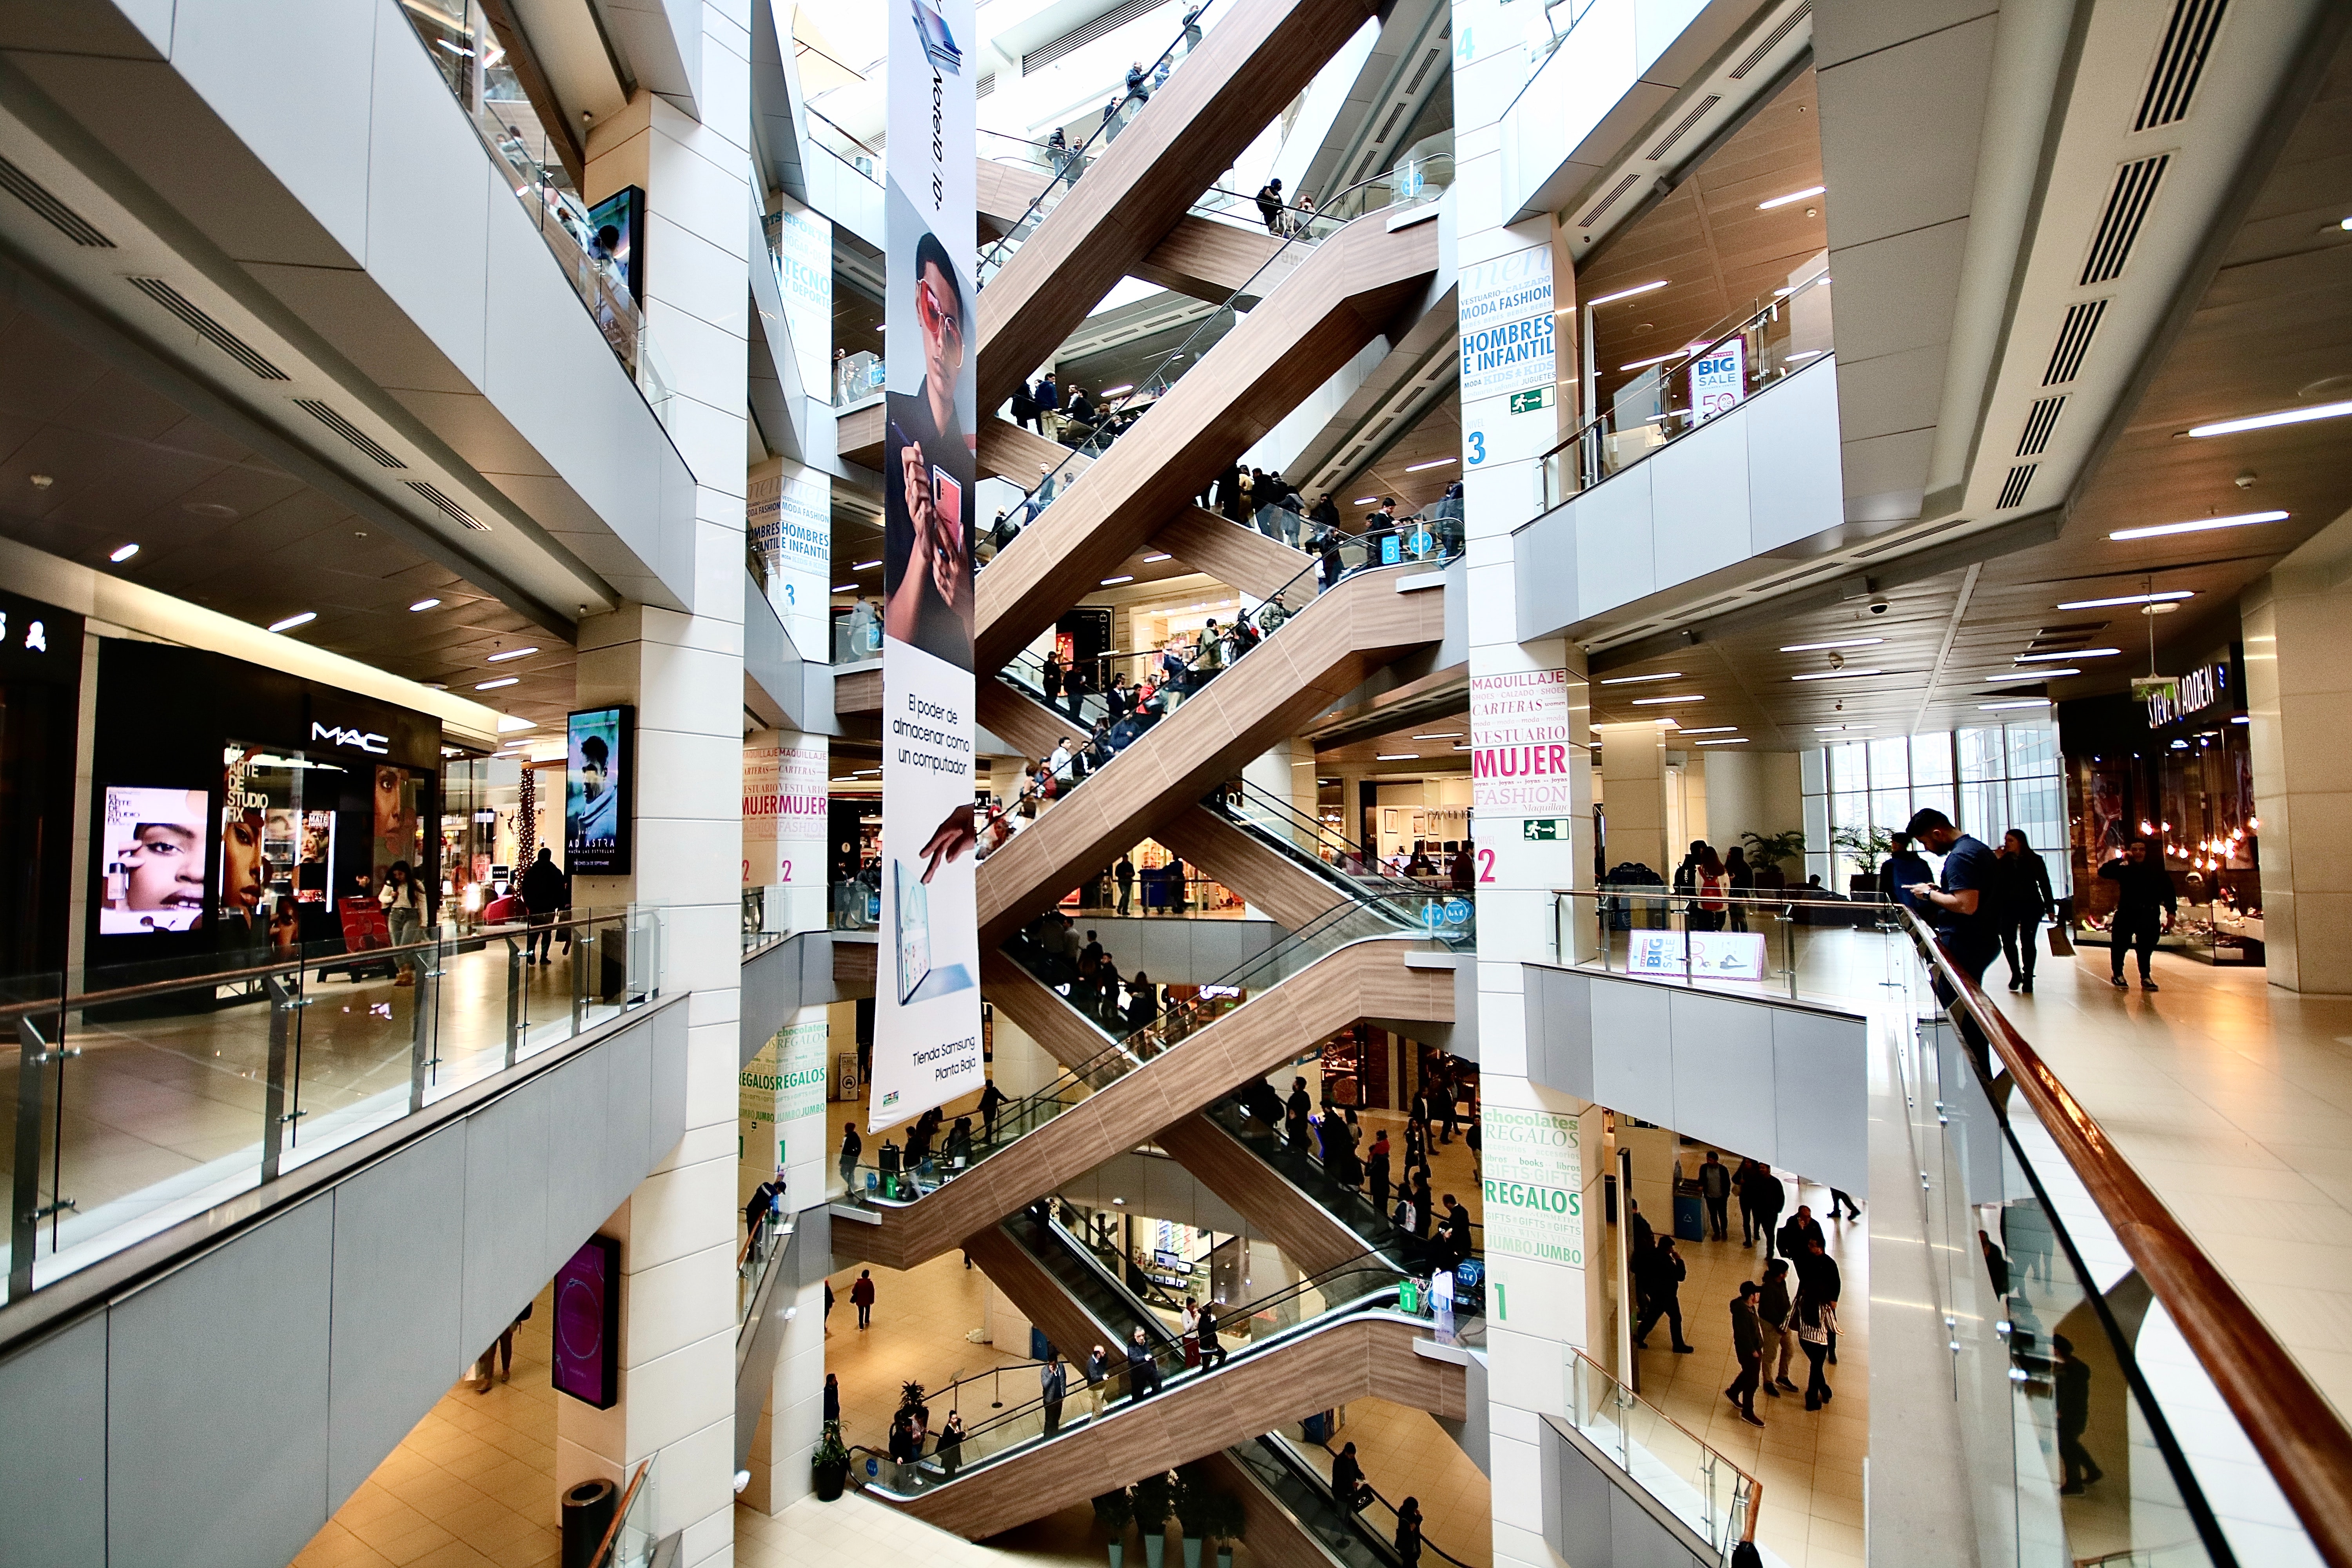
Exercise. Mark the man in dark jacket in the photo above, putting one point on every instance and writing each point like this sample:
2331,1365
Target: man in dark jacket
1747,1350
1053,1385
1818,1274
545,891
1661,1272
2145,907
1715,1186
1903,867
1800,1233
1348,1480
1761,1198
1269,205
2070,1385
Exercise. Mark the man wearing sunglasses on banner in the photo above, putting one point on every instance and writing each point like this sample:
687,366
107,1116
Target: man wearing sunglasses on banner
929,469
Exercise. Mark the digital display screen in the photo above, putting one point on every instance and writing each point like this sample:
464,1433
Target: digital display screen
153,850
596,806
587,1331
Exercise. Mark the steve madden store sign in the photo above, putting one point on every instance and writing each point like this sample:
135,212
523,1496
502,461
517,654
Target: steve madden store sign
366,740
2179,697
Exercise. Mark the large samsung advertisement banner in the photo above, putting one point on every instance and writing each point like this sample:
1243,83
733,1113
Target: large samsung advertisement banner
926,1045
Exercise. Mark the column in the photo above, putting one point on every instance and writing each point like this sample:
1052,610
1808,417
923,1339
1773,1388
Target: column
1633,786
682,667
2299,708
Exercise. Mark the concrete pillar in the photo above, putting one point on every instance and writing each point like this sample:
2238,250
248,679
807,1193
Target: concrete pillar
1634,774
2299,708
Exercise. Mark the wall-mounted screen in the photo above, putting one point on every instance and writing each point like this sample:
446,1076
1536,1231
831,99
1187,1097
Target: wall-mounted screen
152,848
596,805
588,1323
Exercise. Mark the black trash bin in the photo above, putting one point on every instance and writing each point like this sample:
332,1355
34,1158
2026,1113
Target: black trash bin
587,1515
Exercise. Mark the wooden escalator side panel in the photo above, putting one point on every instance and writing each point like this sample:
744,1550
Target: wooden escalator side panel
1307,1232
1040,1013
1233,553
1294,896
1040,1296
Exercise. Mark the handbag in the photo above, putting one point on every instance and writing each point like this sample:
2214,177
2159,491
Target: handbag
2061,947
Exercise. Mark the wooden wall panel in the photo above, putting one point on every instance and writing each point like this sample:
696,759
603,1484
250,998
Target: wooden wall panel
1042,1300
1230,553
1305,1231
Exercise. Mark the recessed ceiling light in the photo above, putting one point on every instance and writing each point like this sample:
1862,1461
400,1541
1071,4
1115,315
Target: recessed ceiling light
2034,674
1835,674
1396,757
1738,741
1791,197
1646,363
2200,525
510,653
1662,701
2264,421
1163,556
1713,730
207,509
1363,501
1115,391
494,685
1440,735
2078,653
124,553
1115,582
424,605
2168,596
290,622
2239,718
845,587
2021,702
1627,293
864,565
509,724
1841,642
1826,729
1631,679
1433,463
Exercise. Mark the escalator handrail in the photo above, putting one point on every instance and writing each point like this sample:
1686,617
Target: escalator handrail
1084,1256
1356,1516
1098,1259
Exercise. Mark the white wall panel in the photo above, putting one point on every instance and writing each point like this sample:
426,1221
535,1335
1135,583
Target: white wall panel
1699,501
429,187
1614,528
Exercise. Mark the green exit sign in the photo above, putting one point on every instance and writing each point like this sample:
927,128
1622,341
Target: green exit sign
1530,401
1551,828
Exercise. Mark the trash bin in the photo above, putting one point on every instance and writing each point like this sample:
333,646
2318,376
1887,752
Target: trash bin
1690,1217
587,1515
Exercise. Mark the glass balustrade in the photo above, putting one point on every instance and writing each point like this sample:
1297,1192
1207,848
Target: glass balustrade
150,1094
1697,1485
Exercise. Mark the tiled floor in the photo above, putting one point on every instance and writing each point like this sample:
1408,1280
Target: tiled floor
922,1319
1808,1461
473,1486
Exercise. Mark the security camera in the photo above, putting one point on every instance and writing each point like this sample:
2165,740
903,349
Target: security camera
1878,606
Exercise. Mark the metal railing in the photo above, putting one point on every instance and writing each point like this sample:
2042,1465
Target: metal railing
277,1060
1694,1482
1677,395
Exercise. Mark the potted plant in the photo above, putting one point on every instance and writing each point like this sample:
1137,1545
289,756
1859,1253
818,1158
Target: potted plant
1232,1525
1116,1510
1196,1507
1152,1503
1770,849
829,1466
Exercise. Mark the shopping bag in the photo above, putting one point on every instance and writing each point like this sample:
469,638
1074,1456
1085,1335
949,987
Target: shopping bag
2061,947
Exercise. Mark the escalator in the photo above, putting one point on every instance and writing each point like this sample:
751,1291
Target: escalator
1154,1069
1335,1337
1362,1536
1083,1277
1320,649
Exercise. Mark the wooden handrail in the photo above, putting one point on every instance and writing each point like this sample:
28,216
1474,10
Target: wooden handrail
604,1548
2293,1426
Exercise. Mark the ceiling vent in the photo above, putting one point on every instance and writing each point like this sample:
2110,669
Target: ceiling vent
1772,40
2127,204
2073,342
984,86
1110,22
448,506
1420,72
1605,202
2039,423
54,213
1699,111
212,331
349,432
1388,125
2188,39
2012,489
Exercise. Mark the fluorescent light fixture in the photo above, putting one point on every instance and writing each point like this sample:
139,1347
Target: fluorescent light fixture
1364,501
1115,391
124,553
845,587
1736,740
1625,293
1631,680
509,724
1396,757
1163,556
1827,728
2200,525
1115,582
2020,702
1440,735
510,653
2034,674
2239,718
2167,597
2078,653
1835,674
494,685
1841,642
2264,421
1801,355
424,605
1433,463
1791,197
1662,701
1713,730
290,622
1646,363
864,565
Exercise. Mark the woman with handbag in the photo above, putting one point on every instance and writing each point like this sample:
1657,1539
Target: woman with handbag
2023,887
1816,1321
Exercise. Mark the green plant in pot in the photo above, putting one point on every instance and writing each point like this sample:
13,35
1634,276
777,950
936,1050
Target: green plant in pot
1153,1500
1232,1525
1774,850
1196,1510
829,1466
1116,1509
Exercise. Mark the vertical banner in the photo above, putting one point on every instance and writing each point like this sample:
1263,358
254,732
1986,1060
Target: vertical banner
927,1047
1520,749
804,280
1533,1181
789,519
785,805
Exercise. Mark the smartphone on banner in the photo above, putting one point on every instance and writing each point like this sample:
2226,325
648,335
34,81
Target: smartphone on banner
947,503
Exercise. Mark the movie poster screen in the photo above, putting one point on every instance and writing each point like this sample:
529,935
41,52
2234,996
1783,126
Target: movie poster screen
595,783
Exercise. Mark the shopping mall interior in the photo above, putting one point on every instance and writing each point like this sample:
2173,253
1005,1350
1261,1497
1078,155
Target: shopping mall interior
1729,611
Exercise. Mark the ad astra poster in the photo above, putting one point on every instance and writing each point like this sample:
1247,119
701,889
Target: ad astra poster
926,1046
